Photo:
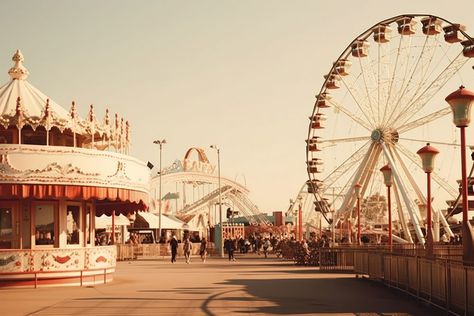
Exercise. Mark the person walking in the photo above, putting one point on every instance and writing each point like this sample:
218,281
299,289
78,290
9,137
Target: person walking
174,248
229,247
266,246
203,249
187,247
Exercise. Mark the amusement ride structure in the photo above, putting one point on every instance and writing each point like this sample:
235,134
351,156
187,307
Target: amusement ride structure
190,191
382,100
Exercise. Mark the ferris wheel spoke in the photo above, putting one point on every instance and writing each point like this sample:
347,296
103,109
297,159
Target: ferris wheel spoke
436,177
401,215
425,61
349,114
432,89
340,170
412,72
366,86
365,166
388,111
353,90
408,174
408,201
424,120
400,76
333,142
453,144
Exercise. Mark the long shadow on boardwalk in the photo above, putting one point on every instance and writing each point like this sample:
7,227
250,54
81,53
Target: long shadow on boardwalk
329,295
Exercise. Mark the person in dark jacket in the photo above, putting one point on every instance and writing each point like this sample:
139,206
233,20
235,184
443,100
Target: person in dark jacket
229,247
174,248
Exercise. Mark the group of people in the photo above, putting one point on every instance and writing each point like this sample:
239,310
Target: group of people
187,249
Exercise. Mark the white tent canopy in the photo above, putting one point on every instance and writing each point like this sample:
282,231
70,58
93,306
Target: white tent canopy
153,221
104,221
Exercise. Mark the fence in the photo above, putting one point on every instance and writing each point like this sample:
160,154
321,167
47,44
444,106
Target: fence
440,281
132,251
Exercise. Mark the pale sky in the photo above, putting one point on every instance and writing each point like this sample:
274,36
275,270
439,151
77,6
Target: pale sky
239,74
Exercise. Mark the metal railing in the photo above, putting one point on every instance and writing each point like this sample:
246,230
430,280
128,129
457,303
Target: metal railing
441,281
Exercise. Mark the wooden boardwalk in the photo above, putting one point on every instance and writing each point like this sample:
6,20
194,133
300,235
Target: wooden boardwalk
251,285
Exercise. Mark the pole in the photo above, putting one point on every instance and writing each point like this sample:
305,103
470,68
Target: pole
464,176
389,203
113,228
358,221
221,251
467,236
429,227
300,222
159,201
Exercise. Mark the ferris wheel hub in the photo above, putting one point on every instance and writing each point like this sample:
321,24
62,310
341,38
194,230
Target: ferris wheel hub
386,135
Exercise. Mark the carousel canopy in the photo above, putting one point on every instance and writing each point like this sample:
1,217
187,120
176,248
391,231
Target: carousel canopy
22,104
33,101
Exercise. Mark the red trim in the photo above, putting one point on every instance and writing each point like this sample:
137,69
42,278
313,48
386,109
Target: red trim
123,200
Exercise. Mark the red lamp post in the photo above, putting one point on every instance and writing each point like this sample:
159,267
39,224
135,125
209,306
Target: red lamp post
300,221
357,193
388,180
461,101
427,155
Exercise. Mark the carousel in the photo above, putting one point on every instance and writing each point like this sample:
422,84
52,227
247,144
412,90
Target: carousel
57,173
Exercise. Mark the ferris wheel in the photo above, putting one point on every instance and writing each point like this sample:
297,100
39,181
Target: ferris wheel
381,101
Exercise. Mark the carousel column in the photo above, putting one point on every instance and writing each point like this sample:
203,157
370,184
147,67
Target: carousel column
461,101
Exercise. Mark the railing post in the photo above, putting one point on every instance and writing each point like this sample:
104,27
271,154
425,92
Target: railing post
466,294
417,276
397,266
105,275
406,275
36,279
81,278
447,285
431,279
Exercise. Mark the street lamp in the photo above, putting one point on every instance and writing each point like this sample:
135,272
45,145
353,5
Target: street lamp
461,101
427,155
300,218
357,193
388,180
161,143
221,250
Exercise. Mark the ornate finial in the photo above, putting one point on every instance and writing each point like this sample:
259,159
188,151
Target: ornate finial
18,71
18,108
116,121
91,113
106,118
73,110
461,87
47,109
127,131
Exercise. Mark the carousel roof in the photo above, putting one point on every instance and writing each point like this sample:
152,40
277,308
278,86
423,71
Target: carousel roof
33,101
22,104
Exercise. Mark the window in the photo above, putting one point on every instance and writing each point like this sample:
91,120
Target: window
44,224
73,224
6,228
88,224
